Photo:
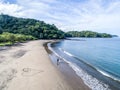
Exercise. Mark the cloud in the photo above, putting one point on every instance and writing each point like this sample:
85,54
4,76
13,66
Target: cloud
96,15
11,9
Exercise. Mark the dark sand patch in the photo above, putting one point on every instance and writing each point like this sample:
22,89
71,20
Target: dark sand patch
19,53
2,58
4,48
6,76
69,74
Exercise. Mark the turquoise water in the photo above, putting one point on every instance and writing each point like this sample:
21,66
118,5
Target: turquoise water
103,54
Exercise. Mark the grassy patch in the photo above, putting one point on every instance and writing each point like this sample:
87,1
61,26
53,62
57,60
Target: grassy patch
7,39
6,44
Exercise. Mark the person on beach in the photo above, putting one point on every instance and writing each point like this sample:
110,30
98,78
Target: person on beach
58,61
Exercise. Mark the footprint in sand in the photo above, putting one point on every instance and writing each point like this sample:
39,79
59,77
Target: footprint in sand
30,72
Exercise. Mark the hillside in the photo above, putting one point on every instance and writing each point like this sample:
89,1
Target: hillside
41,30
89,34
36,28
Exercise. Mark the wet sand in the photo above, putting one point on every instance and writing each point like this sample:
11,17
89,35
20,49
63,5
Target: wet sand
28,67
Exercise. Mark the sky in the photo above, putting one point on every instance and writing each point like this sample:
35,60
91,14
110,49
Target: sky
68,15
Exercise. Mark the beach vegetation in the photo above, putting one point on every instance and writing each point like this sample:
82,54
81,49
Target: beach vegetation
10,38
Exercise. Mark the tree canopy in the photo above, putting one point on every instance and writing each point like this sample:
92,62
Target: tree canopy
89,34
36,28
41,30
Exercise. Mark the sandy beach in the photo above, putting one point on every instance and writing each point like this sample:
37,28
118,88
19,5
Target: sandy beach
27,66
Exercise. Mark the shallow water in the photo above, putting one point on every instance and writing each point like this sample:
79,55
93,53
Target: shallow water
96,58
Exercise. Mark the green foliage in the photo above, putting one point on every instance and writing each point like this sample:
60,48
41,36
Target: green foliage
1,30
10,38
39,29
89,34
33,27
6,44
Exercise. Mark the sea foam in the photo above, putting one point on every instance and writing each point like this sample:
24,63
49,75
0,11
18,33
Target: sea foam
108,75
65,52
89,80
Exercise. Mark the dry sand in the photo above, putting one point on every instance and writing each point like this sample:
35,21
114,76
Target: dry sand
28,67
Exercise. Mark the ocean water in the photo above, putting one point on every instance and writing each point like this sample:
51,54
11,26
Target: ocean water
95,60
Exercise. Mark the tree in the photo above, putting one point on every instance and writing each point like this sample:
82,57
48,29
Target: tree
41,35
1,31
36,28
88,34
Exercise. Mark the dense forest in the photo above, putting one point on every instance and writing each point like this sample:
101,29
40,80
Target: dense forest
14,29
89,34
36,28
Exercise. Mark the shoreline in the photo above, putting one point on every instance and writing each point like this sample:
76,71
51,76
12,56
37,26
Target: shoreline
99,79
69,74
